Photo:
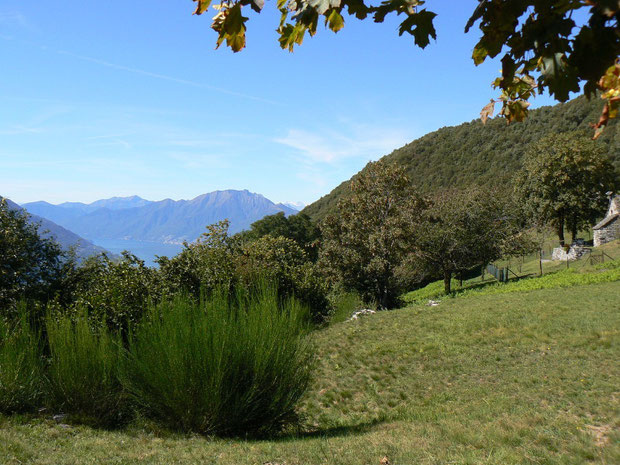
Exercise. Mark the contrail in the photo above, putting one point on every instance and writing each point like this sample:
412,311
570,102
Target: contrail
143,72
165,77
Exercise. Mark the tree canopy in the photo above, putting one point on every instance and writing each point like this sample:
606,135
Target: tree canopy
365,241
458,230
542,46
564,181
299,228
29,264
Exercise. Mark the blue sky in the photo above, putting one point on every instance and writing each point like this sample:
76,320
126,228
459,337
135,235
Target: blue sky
117,98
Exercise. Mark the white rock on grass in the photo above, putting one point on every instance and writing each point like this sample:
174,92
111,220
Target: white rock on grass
363,312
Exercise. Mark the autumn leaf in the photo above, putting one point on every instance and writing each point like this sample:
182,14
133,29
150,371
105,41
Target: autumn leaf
202,6
487,111
334,20
230,25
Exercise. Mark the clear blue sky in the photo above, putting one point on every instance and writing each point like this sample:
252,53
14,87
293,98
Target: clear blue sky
118,98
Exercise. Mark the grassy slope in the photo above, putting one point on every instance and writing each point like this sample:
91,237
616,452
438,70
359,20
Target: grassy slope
503,379
556,274
483,155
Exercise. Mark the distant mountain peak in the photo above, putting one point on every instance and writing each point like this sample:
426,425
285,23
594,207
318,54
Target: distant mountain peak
297,206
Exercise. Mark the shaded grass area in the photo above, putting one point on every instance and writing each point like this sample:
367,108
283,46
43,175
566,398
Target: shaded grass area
497,379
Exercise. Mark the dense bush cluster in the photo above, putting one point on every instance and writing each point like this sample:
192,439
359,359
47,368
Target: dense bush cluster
222,365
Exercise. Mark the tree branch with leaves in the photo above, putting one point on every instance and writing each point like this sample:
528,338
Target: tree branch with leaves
543,47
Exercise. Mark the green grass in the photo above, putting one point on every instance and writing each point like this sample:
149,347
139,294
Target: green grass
557,275
521,378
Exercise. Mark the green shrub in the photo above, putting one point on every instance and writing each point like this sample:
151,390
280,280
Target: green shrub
31,264
225,366
21,370
84,368
282,261
117,292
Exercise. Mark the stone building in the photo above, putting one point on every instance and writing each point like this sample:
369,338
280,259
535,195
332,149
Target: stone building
609,228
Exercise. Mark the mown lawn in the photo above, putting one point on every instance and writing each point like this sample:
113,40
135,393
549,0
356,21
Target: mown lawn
529,377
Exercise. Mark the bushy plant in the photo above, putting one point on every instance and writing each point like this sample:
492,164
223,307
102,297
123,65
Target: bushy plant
282,261
202,266
30,265
21,366
344,304
223,366
84,369
114,291
299,228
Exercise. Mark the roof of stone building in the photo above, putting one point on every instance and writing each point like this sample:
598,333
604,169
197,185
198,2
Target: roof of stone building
607,221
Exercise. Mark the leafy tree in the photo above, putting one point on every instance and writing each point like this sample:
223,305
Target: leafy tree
218,261
202,266
542,48
459,230
564,181
284,263
29,264
299,228
366,240
117,292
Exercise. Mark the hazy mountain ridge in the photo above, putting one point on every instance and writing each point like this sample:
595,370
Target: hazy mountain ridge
65,238
168,220
298,206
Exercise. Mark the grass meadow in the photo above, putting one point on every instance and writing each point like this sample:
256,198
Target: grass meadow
526,377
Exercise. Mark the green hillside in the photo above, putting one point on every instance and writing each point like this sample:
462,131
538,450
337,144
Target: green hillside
485,155
520,378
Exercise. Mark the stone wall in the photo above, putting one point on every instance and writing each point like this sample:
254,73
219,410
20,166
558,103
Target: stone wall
609,232
574,253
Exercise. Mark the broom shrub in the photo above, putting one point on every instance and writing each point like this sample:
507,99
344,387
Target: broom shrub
84,368
227,365
21,366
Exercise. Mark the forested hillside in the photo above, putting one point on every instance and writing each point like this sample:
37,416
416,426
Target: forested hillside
484,155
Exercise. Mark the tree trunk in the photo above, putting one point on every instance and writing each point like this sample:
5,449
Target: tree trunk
574,229
560,230
447,277
540,255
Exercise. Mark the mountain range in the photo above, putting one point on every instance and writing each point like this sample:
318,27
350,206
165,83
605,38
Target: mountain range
165,221
65,238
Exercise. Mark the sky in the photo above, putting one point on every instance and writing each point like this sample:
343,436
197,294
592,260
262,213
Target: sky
116,98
